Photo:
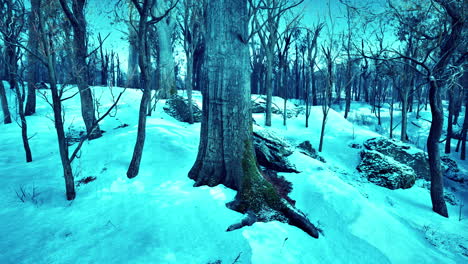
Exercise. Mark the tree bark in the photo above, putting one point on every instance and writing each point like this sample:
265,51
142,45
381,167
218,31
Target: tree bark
448,141
4,102
143,62
47,45
437,183
33,64
166,77
23,124
78,21
226,154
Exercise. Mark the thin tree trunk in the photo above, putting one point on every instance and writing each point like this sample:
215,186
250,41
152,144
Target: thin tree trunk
269,91
437,184
23,124
189,88
57,108
404,118
143,62
464,130
448,141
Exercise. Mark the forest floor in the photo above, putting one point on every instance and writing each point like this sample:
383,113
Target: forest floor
159,217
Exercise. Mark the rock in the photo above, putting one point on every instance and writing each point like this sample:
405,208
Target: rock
403,153
177,107
272,152
451,170
385,171
259,106
413,157
308,150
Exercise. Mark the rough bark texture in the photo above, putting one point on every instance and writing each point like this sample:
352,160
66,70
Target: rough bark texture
33,64
226,154
166,76
132,69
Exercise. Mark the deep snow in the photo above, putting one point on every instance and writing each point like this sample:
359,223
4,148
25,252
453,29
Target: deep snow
158,217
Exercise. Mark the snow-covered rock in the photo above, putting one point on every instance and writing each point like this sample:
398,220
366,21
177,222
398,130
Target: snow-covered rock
307,149
403,153
177,107
272,151
292,110
385,171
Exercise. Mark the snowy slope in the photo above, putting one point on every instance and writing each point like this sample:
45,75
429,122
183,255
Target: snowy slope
158,217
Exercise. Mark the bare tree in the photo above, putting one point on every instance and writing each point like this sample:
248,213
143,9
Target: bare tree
442,51
266,26
76,16
146,19
12,24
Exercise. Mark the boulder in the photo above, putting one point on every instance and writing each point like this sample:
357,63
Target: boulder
177,107
272,152
451,170
403,153
307,149
385,171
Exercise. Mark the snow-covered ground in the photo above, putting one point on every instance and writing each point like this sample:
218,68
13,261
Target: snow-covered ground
159,217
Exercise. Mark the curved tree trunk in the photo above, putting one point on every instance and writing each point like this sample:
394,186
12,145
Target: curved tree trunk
437,183
143,62
226,154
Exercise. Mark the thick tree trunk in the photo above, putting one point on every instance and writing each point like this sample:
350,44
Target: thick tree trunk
166,77
437,184
4,102
132,69
33,64
226,154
